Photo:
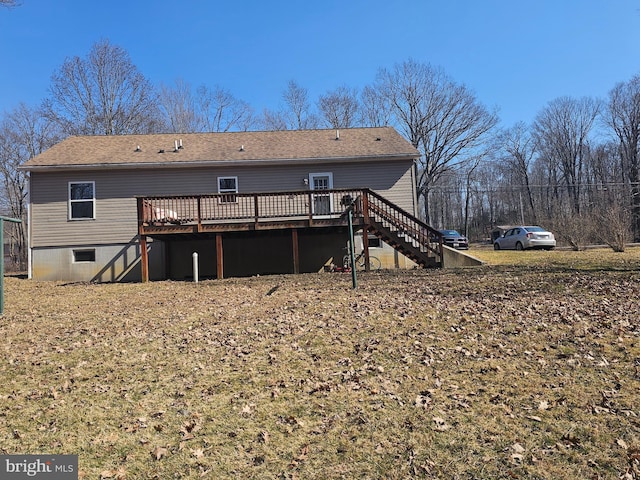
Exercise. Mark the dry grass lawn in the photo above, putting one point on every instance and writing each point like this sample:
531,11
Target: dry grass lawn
526,368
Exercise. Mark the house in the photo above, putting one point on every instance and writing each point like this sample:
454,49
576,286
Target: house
136,207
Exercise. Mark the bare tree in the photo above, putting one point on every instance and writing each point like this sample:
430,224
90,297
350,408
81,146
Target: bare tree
24,133
296,113
519,150
562,132
489,203
442,119
273,120
299,112
617,218
340,108
605,165
221,111
207,110
178,106
375,108
102,94
473,165
623,116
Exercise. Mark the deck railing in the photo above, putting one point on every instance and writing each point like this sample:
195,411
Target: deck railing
215,212
248,207
405,225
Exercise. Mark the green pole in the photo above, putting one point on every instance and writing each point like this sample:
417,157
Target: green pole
2,219
354,278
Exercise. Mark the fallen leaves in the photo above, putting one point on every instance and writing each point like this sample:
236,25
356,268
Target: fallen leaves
189,427
517,456
431,372
159,452
118,474
300,457
440,425
423,400
197,453
263,437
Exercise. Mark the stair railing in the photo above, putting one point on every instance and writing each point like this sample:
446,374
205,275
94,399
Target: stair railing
406,225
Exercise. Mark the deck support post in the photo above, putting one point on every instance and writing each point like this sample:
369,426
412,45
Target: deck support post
219,257
310,204
256,213
296,252
167,259
144,258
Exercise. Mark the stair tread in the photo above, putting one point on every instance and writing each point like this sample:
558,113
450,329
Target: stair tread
402,236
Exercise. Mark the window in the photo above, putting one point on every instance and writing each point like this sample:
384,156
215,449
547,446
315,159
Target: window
374,242
82,200
84,256
229,186
321,181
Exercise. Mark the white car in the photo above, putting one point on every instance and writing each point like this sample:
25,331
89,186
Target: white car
522,238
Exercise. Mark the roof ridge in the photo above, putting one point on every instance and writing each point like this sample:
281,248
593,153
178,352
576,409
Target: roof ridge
207,147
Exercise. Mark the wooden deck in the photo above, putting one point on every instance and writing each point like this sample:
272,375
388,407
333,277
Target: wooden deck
214,214
238,212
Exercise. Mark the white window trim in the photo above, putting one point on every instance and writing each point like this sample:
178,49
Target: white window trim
329,175
377,239
70,201
321,174
230,191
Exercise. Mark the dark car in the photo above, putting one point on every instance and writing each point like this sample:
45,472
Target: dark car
453,239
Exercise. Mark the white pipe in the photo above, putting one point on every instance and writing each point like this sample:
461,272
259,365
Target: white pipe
195,267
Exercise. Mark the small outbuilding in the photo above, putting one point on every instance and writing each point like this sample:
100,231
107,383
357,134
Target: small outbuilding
498,231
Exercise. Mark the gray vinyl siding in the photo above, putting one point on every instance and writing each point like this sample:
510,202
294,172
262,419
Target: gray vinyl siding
115,212
113,263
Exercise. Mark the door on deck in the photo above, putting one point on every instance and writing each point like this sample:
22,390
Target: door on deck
322,203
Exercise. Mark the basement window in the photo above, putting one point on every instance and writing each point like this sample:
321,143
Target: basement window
84,256
374,242
228,186
82,200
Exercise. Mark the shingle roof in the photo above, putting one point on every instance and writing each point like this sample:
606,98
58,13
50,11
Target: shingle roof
204,148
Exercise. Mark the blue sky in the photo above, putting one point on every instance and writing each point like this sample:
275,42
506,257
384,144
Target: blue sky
516,55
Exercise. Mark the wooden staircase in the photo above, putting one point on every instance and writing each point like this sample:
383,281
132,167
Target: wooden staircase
172,217
402,231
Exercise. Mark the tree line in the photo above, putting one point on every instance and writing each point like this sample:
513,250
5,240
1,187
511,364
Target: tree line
574,169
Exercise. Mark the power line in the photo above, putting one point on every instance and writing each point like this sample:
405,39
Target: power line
502,188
